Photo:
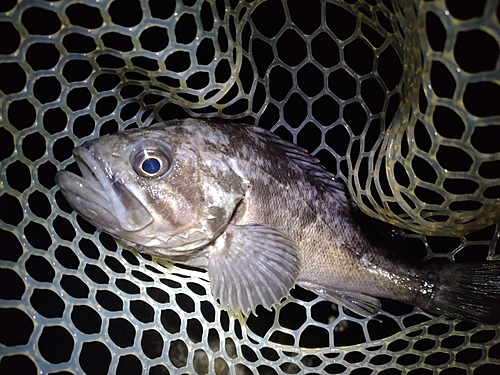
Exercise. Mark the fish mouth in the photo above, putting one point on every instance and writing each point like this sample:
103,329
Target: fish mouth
102,199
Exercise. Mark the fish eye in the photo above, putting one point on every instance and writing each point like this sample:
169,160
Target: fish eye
150,162
151,165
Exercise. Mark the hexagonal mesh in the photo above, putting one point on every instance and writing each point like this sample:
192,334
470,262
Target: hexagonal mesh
399,99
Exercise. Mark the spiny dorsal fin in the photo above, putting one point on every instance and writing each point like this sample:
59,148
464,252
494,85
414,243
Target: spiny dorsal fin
303,159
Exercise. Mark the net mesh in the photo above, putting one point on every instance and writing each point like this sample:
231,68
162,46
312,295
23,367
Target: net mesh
398,99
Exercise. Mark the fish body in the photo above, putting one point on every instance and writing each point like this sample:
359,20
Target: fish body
261,215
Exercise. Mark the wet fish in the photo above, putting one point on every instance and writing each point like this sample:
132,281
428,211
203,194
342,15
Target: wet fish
260,215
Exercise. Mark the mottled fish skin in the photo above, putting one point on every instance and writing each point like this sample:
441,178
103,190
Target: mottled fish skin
261,215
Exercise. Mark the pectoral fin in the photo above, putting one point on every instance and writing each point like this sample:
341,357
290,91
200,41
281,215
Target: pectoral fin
252,265
359,303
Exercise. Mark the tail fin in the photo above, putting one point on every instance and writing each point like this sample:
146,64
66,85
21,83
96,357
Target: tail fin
470,292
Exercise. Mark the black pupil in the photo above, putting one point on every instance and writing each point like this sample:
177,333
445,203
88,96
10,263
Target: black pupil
151,165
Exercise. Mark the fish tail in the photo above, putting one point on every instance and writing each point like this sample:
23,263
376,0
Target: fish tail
469,291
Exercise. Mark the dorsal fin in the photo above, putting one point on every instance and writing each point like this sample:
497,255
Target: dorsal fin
303,159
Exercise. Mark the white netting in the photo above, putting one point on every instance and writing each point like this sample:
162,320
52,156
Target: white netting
399,99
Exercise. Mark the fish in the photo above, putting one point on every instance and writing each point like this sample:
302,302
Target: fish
261,216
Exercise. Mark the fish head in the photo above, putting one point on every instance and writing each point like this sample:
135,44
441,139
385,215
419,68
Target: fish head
156,189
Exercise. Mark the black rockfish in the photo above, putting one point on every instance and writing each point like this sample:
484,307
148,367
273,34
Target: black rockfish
261,215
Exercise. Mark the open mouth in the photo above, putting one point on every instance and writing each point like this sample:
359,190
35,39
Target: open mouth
101,199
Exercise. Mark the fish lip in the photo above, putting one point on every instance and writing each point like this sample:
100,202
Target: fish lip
77,189
98,188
